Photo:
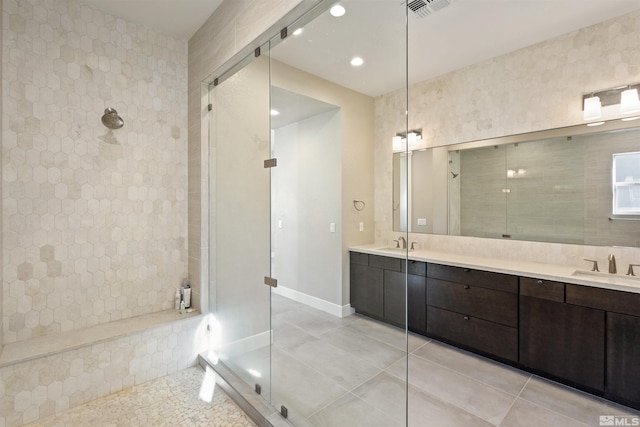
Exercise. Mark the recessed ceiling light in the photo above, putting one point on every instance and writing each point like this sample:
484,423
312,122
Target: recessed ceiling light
275,112
337,10
357,61
297,32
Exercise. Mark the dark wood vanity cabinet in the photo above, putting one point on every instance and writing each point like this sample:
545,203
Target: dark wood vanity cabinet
563,340
367,290
378,290
622,382
474,309
587,337
623,359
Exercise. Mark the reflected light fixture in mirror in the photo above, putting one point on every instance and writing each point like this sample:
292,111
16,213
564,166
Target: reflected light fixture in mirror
357,61
274,112
413,137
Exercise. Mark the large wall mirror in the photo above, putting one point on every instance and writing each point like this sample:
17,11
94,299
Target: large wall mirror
578,185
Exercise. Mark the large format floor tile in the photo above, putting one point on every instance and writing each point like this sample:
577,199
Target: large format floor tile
495,374
570,402
447,385
351,411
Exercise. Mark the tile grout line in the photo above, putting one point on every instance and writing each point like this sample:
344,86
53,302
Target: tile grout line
469,377
514,400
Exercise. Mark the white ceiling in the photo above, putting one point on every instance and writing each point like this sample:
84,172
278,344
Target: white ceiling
177,18
463,33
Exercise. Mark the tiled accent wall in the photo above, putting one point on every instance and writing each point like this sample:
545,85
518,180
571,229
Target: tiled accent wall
232,28
35,389
453,108
94,221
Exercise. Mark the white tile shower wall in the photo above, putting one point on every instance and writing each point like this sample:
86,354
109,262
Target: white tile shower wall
550,76
94,220
38,388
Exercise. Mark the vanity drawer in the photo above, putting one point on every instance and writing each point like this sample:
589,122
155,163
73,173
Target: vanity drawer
488,337
359,258
544,289
386,263
485,279
495,306
417,268
604,299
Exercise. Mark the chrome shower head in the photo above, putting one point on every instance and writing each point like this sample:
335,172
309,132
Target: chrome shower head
111,119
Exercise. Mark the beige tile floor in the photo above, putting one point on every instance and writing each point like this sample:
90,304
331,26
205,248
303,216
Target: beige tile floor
333,372
168,401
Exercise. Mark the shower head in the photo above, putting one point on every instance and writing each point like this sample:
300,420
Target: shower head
111,119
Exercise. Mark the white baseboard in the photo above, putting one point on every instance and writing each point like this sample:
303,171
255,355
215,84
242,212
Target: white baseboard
311,301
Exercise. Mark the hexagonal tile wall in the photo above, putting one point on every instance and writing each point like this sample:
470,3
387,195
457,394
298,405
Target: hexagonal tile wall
94,219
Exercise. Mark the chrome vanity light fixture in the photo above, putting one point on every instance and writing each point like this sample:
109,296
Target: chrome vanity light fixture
400,140
626,96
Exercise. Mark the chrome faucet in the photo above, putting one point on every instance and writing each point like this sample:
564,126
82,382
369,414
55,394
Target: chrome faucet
612,264
401,240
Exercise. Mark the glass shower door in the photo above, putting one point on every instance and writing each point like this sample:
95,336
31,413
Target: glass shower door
240,221
330,366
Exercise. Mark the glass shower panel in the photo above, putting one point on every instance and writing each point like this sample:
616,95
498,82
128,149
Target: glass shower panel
329,365
239,222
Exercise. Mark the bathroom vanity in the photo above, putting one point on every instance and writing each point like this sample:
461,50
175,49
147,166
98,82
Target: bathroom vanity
579,330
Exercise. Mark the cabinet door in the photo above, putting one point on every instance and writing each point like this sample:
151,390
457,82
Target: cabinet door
623,356
397,300
417,303
366,290
563,340
395,297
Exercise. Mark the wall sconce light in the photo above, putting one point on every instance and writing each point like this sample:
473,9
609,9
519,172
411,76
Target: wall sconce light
626,96
413,137
629,101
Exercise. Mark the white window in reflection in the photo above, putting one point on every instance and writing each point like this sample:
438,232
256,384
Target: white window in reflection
626,183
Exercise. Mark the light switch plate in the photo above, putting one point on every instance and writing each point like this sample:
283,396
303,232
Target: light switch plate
422,221
332,227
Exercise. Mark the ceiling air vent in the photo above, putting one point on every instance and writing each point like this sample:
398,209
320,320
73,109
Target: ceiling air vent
424,8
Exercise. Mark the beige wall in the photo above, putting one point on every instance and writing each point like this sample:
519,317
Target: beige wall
94,222
548,80
356,168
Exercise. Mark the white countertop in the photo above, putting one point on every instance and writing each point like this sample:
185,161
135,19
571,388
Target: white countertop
560,273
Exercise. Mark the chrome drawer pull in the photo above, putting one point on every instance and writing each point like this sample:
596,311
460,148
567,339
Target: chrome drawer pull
540,282
466,317
467,286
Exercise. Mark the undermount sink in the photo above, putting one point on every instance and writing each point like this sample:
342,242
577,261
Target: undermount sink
607,277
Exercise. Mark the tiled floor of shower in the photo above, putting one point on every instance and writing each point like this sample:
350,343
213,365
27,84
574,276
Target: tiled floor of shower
168,401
